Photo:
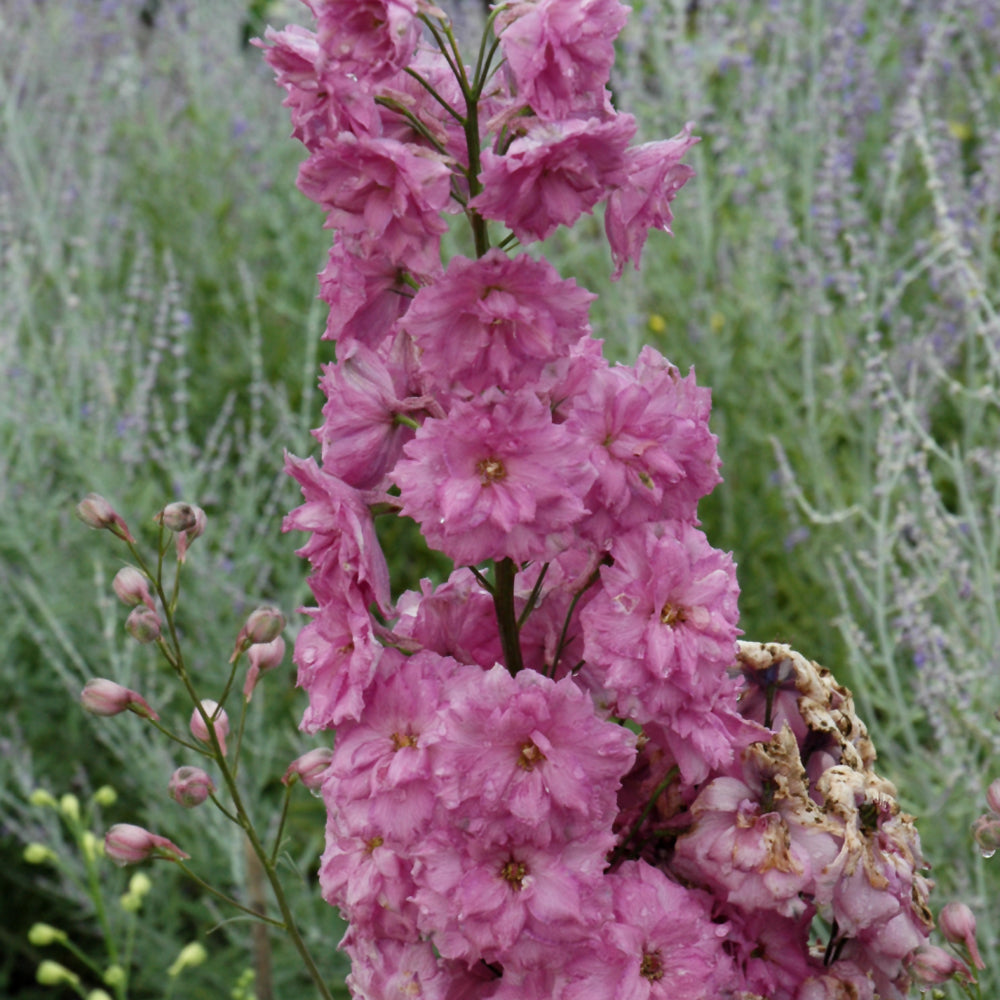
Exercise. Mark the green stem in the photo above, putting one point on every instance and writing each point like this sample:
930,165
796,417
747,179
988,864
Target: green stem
281,824
227,899
503,602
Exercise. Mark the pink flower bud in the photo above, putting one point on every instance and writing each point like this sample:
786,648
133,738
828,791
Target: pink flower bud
220,723
986,833
190,786
309,768
104,697
179,516
126,844
132,587
263,657
143,624
930,964
264,625
96,512
993,797
958,925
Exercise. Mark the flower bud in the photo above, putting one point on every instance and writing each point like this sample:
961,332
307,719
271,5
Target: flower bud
40,797
69,806
309,768
958,925
98,995
39,854
132,587
114,975
993,797
263,626
190,786
263,657
126,844
91,846
930,964
143,625
96,512
189,956
41,935
52,974
178,516
219,720
104,697
140,884
105,795
986,833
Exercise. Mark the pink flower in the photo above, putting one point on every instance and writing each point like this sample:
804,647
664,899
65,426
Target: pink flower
361,436
366,293
661,943
663,626
759,841
337,656
127,844
560,52
503,901
642,202
495,478
343,549
553,173
104,697
457,618
382,194
532,754
368,39
320,103
648,434
496,321
383,773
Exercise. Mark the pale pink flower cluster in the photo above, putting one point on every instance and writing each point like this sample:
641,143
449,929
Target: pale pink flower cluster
551,776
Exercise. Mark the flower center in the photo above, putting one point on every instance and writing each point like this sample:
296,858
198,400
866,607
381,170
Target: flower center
651,966
529,757
514,872
490,470
672,615
370,845
400,740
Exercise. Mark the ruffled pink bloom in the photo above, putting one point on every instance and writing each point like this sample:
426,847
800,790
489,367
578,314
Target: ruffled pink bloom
457,618
383,968
496,321
666,612
337,656
503,901
369,39
661,943
321,104
553,173
383,772
642,202
496,478
344,549
532,754
366,293
383,194
560,52
771,953
649,439
362,438
369,880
